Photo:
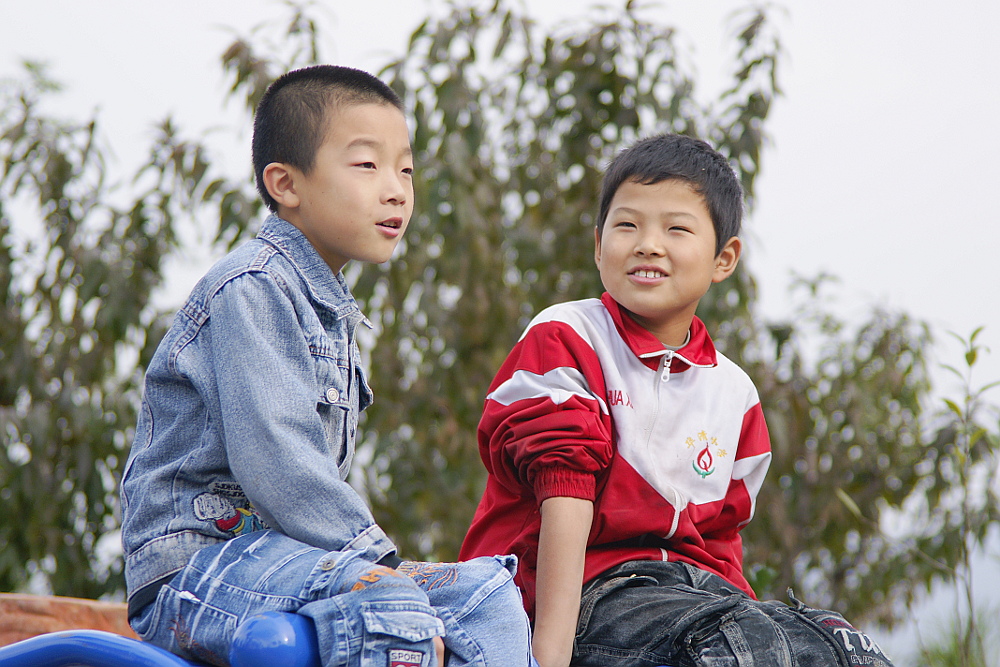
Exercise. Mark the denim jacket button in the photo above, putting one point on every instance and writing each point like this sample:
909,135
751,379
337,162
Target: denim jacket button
332,395
327,565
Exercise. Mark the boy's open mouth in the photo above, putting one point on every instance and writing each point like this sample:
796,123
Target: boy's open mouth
394,223
648,273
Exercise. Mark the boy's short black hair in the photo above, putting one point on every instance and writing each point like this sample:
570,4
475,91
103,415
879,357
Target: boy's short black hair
293,116
675,156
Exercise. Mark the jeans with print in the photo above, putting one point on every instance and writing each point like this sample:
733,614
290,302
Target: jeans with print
651,613
366,615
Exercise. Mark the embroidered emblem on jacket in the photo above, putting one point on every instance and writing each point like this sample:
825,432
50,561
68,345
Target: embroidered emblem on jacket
704,462
227,513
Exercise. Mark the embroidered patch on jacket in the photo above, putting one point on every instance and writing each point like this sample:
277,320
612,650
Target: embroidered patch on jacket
430,575
227,513
704,462
401,658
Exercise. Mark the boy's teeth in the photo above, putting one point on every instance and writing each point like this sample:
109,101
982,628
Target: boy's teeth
649,274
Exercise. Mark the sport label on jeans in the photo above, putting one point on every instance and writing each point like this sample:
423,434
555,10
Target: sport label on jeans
401,658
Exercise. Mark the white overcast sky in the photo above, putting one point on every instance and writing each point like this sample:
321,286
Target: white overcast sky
882,165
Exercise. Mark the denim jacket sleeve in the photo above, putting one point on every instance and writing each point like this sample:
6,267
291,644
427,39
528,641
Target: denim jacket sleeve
287,387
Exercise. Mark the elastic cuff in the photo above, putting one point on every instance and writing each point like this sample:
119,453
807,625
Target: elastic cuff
555,481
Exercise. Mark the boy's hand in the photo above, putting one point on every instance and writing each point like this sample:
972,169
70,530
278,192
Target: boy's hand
562,546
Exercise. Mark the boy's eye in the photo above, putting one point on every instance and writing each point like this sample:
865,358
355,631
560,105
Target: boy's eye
408,171
625,223
367,165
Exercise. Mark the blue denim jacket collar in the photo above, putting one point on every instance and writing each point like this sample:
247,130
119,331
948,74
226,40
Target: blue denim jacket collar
325,287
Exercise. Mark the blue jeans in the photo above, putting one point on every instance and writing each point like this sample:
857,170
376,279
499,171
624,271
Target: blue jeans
366,615
650,613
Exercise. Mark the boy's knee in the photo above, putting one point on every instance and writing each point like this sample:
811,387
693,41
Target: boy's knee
495,575
505,594
465,583
478,592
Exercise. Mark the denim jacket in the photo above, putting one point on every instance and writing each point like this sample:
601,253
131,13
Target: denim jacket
249,414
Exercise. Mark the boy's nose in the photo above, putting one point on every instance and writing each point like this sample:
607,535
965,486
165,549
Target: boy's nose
649,244
395,190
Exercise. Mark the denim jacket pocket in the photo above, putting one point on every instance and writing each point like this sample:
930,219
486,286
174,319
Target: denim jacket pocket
333,404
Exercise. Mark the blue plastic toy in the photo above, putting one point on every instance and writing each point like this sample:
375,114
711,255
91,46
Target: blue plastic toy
274,638
266,640
271,639
93,648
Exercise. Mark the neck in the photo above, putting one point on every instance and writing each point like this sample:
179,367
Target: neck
672,334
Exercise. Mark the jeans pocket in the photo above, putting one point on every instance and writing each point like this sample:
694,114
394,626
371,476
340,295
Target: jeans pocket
399,633
410,621
200,630
145,622
747,635
850,645
604,590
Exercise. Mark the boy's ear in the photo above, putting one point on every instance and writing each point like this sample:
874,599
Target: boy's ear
279,179
727,259
597,247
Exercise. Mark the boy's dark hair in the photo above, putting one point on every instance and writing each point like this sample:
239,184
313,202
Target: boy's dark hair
293,116
674,156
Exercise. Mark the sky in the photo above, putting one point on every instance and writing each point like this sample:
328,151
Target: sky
881,165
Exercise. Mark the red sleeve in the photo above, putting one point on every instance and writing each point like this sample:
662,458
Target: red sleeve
545,424
753,456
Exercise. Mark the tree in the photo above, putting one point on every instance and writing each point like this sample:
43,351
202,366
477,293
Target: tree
513,125
846,435
67,403
78,330
966,470
513,128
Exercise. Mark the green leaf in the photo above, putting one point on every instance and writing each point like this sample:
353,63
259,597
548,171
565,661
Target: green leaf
848,502
954,407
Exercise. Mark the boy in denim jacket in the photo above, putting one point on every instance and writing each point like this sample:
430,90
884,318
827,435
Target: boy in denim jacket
625,452
235,496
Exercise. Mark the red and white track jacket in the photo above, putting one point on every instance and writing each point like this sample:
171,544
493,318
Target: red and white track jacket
671,446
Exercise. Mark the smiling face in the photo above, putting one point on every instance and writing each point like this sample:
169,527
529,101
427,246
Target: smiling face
656,255
357,199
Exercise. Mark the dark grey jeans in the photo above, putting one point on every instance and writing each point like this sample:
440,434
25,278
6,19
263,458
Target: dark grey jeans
652,613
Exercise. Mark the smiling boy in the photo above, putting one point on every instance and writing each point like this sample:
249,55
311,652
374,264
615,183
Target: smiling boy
625,452
235,498
656,252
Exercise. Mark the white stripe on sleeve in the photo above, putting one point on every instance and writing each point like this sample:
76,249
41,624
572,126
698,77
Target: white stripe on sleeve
558,385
